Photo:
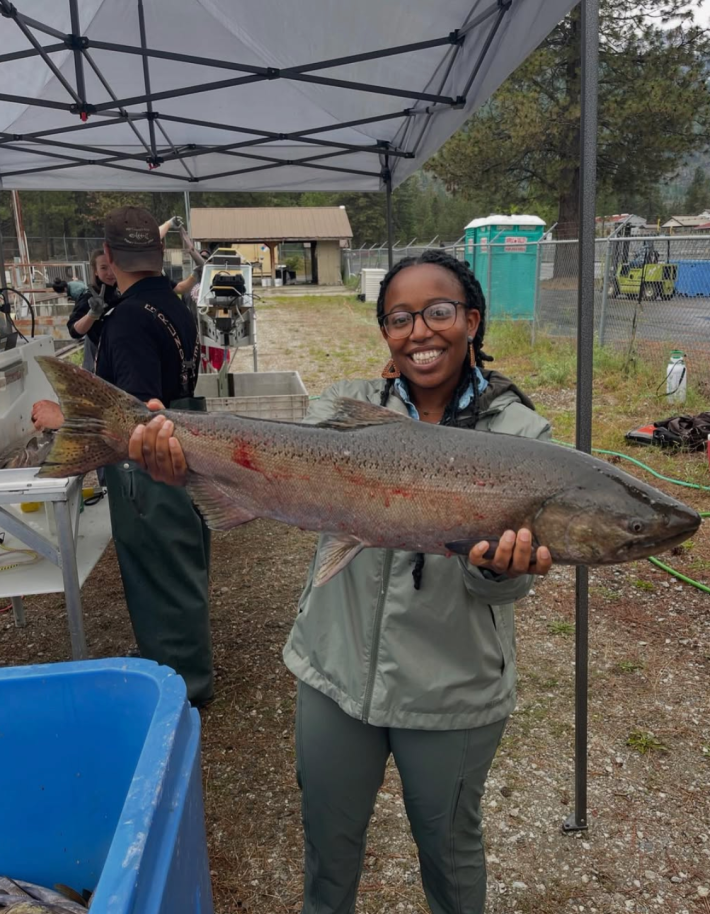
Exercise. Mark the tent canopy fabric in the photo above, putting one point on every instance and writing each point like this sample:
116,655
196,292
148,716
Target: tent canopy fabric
270,223
217,95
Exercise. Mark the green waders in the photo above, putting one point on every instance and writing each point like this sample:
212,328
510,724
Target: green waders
163,549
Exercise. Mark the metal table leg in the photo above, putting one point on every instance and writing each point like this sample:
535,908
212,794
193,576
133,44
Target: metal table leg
18,611
70,575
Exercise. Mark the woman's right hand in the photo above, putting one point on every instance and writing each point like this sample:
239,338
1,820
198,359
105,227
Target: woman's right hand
154,448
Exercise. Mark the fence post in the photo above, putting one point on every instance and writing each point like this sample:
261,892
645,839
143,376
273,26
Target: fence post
536,297
489,251
605,291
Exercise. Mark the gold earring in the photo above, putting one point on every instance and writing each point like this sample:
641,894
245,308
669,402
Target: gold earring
390,371
471,353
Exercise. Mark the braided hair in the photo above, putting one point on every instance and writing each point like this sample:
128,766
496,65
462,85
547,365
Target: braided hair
474,300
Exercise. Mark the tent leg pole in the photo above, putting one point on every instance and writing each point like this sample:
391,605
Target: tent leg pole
188,222
585,364
5,326
387,174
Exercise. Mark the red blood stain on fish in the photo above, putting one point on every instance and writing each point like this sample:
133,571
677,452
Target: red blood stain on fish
243,456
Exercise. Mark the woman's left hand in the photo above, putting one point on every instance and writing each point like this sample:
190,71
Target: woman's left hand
512,557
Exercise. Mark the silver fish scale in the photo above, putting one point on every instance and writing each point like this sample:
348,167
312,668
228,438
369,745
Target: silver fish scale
403,485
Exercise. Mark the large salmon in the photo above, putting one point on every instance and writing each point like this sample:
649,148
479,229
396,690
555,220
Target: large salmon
372,477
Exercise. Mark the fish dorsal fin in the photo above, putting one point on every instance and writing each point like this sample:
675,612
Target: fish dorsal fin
216,504
334,553
349,414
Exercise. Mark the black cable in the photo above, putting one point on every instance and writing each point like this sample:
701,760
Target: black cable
29,305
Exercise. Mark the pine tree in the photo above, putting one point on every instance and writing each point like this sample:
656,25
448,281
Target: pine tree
522,148
697,198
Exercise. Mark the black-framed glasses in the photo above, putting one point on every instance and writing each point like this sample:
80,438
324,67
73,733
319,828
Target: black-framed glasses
440,315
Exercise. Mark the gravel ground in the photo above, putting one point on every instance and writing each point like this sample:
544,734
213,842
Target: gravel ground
648,844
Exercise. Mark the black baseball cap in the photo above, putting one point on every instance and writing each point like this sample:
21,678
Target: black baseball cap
134,238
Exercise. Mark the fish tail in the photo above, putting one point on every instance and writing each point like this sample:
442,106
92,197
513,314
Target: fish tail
98,419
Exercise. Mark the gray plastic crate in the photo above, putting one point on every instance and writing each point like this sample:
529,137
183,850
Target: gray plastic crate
264,395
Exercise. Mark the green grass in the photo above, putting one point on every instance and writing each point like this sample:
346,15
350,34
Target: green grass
560,627
644,742
644,585
605,593
630,666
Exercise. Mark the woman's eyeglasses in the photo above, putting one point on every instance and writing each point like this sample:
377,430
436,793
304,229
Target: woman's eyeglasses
439,316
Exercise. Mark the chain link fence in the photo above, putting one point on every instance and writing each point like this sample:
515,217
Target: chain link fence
61,249
651,292
375,257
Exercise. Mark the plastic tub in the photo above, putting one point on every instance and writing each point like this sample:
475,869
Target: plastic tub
102,788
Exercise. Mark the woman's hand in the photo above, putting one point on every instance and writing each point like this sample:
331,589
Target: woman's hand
512,557
46,414
153,447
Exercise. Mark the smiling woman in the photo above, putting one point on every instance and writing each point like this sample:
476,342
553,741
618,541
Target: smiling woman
394,657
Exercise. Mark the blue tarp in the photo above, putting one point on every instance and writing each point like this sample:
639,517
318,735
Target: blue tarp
693,277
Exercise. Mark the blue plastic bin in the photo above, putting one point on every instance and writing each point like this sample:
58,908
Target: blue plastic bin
693,278
502,252
101,787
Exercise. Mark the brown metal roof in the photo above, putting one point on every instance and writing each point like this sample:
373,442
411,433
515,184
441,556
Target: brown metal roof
270,223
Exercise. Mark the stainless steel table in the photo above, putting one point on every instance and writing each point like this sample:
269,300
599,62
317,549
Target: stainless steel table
67,555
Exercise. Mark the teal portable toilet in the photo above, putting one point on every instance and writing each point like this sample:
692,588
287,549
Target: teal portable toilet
502,252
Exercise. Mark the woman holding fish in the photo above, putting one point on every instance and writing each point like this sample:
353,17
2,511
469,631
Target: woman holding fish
397,653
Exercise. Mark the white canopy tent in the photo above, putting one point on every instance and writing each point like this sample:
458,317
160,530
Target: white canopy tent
311,95
306,95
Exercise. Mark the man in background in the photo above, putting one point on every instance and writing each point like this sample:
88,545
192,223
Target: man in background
149,349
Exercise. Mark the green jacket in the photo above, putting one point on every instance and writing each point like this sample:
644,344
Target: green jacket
438,658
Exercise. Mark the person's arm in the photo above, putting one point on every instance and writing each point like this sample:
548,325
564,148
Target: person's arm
187,243
93,305
173,223
77,317
185,285
46,414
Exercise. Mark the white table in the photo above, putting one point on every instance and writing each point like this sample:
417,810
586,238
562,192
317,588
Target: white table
67,558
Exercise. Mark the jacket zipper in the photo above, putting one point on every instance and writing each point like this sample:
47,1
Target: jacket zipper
376,632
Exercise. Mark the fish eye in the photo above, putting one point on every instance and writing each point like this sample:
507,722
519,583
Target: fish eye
636,526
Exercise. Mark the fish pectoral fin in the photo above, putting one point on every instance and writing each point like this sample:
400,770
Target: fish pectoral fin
334,553
216,504
350,414
463,547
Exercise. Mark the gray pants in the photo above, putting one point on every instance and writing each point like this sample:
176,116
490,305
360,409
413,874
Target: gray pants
340,767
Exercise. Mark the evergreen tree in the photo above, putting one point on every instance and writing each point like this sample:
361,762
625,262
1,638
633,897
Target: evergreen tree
522,148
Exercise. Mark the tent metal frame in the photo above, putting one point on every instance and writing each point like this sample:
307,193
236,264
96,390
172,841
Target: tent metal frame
156,154
388,153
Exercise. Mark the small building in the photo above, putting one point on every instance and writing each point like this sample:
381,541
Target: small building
307,240
689,223
605,225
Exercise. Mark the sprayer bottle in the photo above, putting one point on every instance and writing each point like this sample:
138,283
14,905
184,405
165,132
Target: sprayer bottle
676,377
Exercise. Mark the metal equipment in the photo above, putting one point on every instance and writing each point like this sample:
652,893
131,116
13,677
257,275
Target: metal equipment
42,517
225,305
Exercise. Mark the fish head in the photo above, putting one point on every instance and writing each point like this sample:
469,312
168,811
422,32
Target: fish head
612,523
